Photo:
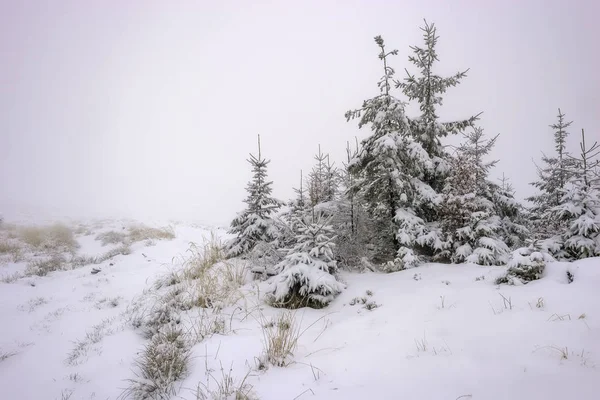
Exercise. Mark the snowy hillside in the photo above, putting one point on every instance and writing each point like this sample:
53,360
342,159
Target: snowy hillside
433,332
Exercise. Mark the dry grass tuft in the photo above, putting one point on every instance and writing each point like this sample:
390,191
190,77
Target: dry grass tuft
121,250
202,258
10,278
136,233
208,323
281,339
139,233
112,237
205,280
164,361
226,387
92,337
41,267
56,237
11,247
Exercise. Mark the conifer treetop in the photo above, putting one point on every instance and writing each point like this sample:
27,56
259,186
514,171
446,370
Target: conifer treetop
426,87
560,134
388,72
427,90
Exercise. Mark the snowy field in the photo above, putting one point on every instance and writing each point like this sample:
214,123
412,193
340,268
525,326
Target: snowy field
434,332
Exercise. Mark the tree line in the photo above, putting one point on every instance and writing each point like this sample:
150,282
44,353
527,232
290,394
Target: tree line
402,198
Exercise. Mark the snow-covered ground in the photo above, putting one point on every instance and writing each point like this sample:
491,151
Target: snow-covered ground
434,332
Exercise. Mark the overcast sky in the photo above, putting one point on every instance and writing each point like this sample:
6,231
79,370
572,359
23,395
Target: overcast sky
150,108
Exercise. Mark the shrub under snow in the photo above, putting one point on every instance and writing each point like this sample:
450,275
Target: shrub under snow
306,278
525,265
304,285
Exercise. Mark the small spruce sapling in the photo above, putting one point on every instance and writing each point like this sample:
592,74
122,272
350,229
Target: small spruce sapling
307,272
255,224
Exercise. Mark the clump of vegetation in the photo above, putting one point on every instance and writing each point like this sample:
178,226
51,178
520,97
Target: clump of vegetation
570,277
227,387
151,321
136,233
307,278
93,336
42,267
365,302
281,339
80,261
203,257
121,250
139,233
33,304
56,237
112,237
10,278
11,247
164,361
526,264
207,323
204,283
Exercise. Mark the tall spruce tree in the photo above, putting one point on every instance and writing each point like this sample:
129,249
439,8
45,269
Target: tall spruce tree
471,225
255,223
388,172
579,207
427,90
552,179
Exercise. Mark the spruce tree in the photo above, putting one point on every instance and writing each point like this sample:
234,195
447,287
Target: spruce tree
299,205
513,218
552,179
471,225
255,224
427,90
316,180
347,219
323,180
332,180
388,172
306,274
579,207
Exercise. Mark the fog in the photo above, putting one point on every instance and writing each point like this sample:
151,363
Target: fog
149,109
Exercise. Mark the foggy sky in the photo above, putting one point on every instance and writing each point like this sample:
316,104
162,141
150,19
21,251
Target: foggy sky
149,109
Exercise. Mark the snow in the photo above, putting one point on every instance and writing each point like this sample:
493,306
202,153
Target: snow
437,332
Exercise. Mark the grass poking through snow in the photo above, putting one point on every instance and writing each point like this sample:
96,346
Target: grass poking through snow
56,237
225,387
280,338
164,361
